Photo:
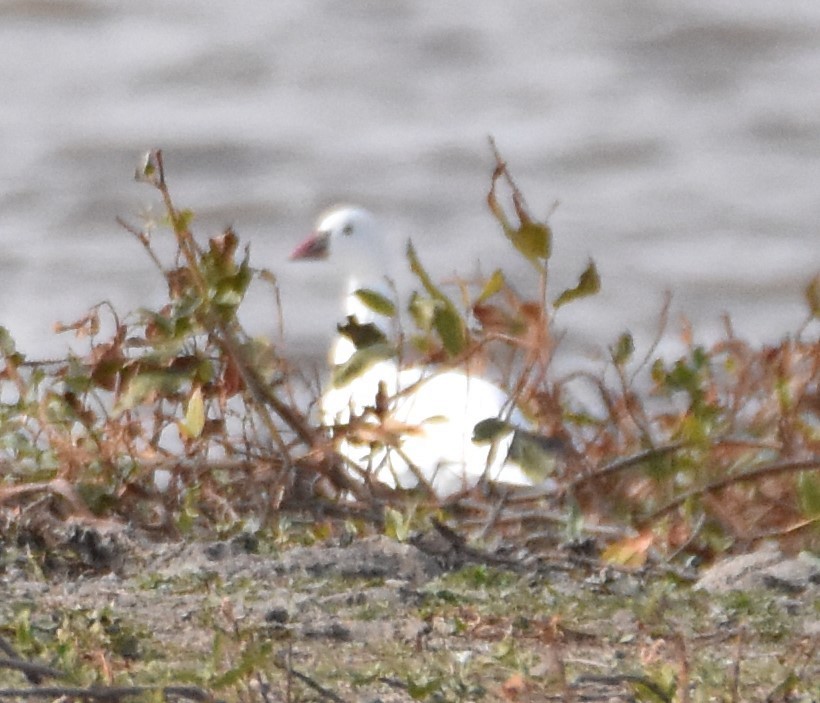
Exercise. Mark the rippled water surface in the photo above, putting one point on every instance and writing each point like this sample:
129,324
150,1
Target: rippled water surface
681,140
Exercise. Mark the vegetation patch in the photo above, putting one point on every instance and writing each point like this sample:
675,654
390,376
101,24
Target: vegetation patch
176,523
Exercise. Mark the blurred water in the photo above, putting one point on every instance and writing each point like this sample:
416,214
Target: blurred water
681,139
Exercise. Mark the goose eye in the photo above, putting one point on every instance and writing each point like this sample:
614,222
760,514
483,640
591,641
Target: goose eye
347,230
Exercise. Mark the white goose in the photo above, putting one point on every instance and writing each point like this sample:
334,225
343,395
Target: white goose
433,413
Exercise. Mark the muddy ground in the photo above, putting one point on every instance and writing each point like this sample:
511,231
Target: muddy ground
371,619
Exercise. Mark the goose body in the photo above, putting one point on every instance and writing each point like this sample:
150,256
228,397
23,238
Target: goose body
415,425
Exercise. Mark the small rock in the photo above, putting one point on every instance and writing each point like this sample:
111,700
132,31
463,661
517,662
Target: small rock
766,568
278,616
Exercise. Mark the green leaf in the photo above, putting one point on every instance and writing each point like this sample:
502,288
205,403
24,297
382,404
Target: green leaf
441,314
494,284
658,372
497,209
683,377
812,294
267,276
227,280
491,429
534,241
623,349
421,273
227,295
244,274
183,220
194,421
397,525
147,169
422,689
589,283
362,335
7,346
254,656
147,385
423,311
538,456
450,328
376,302
361,360
808,493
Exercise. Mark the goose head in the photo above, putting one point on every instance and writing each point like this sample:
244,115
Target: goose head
349,238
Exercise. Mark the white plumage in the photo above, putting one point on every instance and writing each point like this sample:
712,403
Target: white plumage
423,428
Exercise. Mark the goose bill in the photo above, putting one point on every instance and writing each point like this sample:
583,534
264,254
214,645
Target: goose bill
314,247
